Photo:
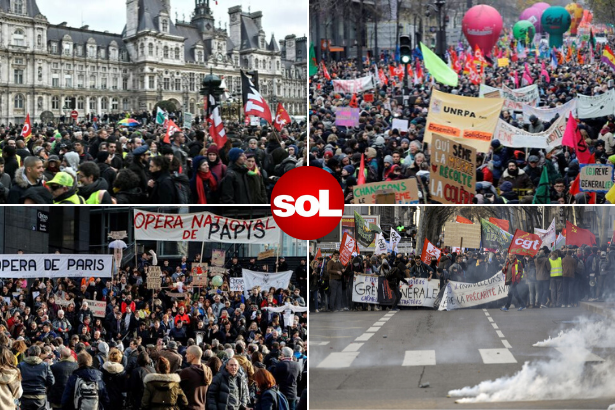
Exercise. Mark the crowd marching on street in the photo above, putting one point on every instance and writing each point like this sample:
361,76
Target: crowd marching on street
180,347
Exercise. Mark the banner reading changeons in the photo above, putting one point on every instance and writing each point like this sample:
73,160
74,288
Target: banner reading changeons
471,120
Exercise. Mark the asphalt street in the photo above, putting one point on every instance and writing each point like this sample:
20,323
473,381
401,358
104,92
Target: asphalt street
378,360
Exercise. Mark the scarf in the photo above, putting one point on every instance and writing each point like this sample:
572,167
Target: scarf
201,179
254,171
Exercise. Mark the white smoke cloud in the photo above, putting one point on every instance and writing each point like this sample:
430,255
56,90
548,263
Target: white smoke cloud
564,376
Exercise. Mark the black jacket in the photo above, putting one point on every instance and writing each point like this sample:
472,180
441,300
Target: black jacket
136,384
288,374
218,392
87,374
114,377
107,173
164,191
20,186
235,186
61,372
86,191
36,376
131,196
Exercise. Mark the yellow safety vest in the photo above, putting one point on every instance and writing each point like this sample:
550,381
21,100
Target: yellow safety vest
94,199
75,199
556,267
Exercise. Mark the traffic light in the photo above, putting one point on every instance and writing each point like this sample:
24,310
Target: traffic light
405,49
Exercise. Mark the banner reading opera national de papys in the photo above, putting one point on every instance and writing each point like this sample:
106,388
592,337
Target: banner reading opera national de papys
458,295
470,120
376,290
204,227
55,266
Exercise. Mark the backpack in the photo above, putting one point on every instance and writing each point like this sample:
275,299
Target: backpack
182,187
86,395
580,269
281,403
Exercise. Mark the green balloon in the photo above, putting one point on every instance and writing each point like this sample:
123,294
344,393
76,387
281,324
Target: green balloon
556,21
217,281
521,29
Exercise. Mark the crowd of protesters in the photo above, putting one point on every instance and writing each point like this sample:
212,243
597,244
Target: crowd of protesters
181,347
503,174
103,163
552,279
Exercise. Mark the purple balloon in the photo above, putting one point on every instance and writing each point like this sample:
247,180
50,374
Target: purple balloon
533,15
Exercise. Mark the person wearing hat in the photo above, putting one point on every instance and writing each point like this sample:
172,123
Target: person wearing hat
533,170
93,188
63,190
216,165
174,358
139,164
52,167
234,187
536,126
163,190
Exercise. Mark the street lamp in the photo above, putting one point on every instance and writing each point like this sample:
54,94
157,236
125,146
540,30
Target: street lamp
211,86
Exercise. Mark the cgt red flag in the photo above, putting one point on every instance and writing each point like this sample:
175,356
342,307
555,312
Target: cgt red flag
172,128
429,250
281,118
579,236
460,219
524,243
26,131
347,247
502,223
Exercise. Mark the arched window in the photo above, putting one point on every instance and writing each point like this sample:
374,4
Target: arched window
115,104
104,103
39,40
177,53
19,37
165,52
165,26
19,101
80,103
55,103
150,49
67,101
92,104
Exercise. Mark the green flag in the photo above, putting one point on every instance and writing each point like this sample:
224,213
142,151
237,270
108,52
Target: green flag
364,234
543,192
438,68
313,64
160,116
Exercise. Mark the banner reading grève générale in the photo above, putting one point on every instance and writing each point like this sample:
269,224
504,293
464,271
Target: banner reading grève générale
204,227
376,290
55,265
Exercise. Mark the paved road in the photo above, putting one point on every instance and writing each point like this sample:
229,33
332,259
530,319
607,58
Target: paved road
365,360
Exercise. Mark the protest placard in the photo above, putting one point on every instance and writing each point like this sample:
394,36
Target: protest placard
596,177
347,117
55,265
406,191
199,268
400,124
236,284
453,176
97,308
153,278
217,257
217,270
266,254
462,235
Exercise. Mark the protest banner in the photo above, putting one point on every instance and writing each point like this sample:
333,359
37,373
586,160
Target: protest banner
357,85
376,290
453,171
458,295
265,280
347,247
406,191
98,308
187,120
347,117
381,244
524,243
153,278
462,235
596,177
547,236
64,302
594,106
365,231
493,236
510,136
400,125
470,120
348,225
547,114
204,227
55,265
430,250
365,289
266,254
217,257
177,295
236,284
513,99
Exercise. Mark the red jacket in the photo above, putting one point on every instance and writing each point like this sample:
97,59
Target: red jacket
516,272
184,318
132,306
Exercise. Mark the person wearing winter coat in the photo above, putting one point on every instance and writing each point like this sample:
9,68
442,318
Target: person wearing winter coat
229,389
517,177
514,272
114,377
543,276
195,379
10,379
203,183
26,177
394,275
283,162
86,372
136,386
216,166
266,391
162,187
287,373
235,187
162,389
126,188
569,267
61,373
256,181
36,378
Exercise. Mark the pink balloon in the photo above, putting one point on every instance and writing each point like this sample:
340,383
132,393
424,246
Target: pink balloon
542,6
482,26
533,15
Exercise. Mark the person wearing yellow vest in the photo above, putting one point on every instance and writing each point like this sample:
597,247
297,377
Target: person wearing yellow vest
63,190
92,187
514,273
557,279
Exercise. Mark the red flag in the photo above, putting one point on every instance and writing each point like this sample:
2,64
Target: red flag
579,236
410,72
253,102
318,254
419,70
172,128
216,128
573,138
324,71
574,187
383,78
353,101
502,223
281,118
516,79
429,250
347,247
26,132
460,219
361,178
524,243
544,72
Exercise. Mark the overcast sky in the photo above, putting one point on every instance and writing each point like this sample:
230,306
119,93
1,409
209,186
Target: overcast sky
280,17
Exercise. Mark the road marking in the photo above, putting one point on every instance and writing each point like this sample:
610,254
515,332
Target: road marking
499,332
364,337
384,319
378,324
338,360
373,329
493,356
490,319
506,344
352,347
487,314
575,354
484,310
419,358
495,326
319,343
